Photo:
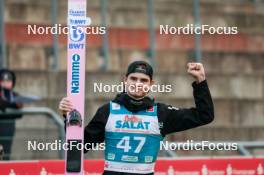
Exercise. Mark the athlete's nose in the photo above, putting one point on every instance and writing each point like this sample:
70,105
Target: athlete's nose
139,84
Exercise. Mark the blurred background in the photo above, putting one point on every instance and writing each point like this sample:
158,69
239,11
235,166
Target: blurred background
233,63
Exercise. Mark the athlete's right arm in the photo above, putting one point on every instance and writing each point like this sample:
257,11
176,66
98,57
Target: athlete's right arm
94,132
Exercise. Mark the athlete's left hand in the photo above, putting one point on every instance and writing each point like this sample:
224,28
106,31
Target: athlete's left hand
197,71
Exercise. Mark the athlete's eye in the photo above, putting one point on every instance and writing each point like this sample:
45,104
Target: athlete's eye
133,78
143,80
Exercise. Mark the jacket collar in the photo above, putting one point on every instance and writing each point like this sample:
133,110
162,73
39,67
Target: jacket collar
134,105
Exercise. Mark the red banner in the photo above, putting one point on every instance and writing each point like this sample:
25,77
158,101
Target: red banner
188,166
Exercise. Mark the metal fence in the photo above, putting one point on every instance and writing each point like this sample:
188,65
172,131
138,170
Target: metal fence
36,112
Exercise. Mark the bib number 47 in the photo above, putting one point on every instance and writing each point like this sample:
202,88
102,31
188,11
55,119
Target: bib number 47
124,143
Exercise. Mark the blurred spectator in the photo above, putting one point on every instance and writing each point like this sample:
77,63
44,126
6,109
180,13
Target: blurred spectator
7,122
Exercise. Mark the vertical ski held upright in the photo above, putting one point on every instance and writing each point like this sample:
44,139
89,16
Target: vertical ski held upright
75,85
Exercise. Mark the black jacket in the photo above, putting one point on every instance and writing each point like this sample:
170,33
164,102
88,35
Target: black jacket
6,101
171,119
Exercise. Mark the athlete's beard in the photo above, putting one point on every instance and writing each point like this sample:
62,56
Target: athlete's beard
136,98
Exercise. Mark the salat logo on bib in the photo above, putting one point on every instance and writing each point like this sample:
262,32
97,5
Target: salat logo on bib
132,122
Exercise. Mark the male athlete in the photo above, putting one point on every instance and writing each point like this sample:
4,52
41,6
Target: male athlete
132,125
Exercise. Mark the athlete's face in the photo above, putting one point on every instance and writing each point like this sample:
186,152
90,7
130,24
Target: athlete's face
138,84
7,84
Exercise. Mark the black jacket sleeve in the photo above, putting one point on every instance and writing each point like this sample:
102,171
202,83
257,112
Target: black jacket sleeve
175,119
6,103
94,132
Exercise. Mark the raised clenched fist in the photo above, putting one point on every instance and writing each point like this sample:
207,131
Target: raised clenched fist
197,71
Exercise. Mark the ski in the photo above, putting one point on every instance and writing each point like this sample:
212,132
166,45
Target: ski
75,85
